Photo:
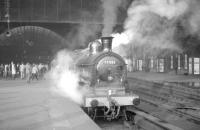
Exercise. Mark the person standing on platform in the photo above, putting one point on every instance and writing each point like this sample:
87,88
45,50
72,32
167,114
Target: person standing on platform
28,72
22,71
34,72
17,70
40,66
1,70
5,71
13,70
9,71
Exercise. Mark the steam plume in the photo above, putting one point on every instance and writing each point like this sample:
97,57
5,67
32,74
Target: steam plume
79,35
193,17
153,23
109,15
66,78
164,24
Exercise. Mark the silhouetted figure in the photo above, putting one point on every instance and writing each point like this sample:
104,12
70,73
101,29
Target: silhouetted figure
34,72
13,70
28,72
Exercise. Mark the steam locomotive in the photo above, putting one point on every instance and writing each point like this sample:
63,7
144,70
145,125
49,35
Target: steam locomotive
106,74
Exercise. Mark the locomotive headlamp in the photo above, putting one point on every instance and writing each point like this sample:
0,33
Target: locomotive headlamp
136,101
94,103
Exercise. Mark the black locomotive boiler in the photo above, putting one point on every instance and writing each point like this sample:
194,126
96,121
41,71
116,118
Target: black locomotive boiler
106,73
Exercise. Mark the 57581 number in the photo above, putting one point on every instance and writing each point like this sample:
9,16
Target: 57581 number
110,62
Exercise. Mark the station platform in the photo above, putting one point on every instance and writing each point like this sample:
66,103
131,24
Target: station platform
163,77
32,106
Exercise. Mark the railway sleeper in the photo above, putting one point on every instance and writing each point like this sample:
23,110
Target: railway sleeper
102,112
146,121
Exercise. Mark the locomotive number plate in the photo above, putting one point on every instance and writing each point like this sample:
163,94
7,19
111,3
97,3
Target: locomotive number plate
110,62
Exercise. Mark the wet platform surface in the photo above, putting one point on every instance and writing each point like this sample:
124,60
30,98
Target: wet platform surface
33,107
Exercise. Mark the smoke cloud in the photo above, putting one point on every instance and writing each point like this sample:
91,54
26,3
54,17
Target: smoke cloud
153,23
193,17
81,34
110,15
156,24
66,78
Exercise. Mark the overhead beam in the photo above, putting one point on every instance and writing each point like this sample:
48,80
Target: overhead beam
57,11
56,21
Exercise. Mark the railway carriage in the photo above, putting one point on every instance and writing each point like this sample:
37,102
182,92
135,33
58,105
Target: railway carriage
106,75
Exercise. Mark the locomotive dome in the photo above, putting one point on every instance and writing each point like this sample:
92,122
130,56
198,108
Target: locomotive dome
95,47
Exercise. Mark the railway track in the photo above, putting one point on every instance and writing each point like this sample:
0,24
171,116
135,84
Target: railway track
146,121
175,101
178,95
170,99
143,121
177,111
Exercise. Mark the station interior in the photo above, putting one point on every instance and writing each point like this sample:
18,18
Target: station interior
99,64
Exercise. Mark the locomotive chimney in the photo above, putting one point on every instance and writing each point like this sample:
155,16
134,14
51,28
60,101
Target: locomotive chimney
107,43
